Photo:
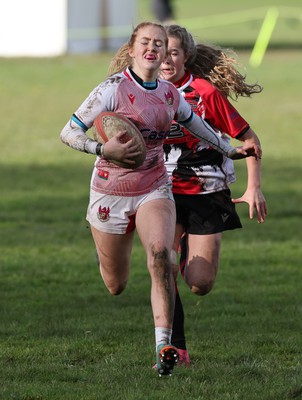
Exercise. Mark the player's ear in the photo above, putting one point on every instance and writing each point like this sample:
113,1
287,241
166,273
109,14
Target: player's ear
131,52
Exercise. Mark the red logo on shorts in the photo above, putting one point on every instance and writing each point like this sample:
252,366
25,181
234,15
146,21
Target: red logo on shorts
103,214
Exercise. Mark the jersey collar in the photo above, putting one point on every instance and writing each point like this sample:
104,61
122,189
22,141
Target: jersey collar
184,82
146,85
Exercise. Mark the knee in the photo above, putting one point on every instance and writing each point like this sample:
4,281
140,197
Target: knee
203,288
114,287
201,277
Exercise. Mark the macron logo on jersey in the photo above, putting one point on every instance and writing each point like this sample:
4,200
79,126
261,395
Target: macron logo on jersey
131,97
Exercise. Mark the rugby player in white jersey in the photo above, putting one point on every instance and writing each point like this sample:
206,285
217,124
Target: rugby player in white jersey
122,199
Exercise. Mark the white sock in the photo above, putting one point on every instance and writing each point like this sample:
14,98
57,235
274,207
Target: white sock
162,336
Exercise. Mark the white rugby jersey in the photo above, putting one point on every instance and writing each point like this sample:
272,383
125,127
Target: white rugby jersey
152,111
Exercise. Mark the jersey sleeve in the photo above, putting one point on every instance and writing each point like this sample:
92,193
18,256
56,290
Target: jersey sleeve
219,112
99,100
184,112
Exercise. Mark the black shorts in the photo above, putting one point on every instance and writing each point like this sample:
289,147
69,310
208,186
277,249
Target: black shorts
207,213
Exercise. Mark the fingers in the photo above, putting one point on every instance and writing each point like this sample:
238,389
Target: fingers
132,144
260,207
119,149
261,212
255,206
237,153
250,150
132,148
253,150
251,211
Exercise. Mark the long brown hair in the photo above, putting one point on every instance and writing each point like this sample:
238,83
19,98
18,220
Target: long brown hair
216,65
122,59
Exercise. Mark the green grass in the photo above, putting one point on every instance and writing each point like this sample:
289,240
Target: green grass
62,336
233,22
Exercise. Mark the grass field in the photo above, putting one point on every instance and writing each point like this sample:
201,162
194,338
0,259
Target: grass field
62,336
235,22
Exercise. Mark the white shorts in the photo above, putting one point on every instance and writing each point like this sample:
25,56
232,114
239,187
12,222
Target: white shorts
116,214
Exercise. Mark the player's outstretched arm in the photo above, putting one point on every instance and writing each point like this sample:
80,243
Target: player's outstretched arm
253,195
201,129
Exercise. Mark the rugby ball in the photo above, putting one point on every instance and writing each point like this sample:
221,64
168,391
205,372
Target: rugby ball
107,124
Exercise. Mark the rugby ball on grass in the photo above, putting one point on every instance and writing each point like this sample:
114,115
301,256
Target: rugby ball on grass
107,124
